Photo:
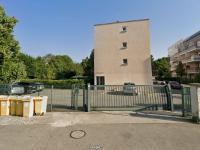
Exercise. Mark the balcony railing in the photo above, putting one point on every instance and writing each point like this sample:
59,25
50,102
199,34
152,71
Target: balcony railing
194,58
193,70
188,49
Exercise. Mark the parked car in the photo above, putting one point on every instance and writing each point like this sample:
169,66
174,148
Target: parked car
26,88
38,86
16,89
155,82
129,88
175,85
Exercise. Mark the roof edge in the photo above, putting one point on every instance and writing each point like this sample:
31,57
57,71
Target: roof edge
146,19
192,36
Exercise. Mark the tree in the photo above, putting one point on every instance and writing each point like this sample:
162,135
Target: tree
180,71
10,66
30,65
62,65
78,69
12,71
43,69
153,66
88,67
161,67
56,67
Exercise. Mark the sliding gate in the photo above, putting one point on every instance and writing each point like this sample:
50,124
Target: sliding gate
120,97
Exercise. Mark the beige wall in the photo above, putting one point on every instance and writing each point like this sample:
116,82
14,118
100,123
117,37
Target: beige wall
108,55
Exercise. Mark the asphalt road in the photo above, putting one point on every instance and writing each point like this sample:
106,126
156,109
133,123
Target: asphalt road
102,137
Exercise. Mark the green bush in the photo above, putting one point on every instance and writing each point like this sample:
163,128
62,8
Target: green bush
56,83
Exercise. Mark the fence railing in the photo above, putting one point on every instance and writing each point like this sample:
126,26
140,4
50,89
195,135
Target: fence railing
186,101
123,97
111,97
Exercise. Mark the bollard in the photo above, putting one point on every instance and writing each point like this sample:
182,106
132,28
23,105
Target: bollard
88,97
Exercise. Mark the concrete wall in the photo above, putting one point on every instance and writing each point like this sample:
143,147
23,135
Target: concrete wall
195,102
109,54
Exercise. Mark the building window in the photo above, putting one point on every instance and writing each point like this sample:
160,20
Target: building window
125,61
124,45
198,43
191,44
100,80
124,29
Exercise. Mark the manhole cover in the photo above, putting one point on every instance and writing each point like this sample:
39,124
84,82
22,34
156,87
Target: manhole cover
95,147
77,134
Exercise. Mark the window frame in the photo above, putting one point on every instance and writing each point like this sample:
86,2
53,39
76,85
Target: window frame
198,43
124,45
125,61
124,29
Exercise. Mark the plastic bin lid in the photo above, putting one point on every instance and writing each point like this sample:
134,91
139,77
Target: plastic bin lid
3,97
37,98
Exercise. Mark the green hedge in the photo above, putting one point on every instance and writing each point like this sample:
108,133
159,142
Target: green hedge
56,83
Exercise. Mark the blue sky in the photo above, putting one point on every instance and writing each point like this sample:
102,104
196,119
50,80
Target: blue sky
66,26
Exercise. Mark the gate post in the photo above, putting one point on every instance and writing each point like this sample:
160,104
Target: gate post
88,97
51,98
169,97
195,102
183,101
84,97
76,97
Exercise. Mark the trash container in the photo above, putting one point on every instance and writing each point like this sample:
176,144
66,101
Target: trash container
4,106
13,100
38,109
19,106
44,104
27,106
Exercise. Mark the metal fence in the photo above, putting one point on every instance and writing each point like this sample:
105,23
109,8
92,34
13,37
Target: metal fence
186,101
115,97
63,98
5,89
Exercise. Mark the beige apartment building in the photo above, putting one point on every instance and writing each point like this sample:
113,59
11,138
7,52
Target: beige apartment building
122,53
186,51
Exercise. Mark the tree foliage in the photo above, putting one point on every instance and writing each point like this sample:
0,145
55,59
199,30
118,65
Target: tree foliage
30,65
88,67
161,67
54,67
180,71
11,68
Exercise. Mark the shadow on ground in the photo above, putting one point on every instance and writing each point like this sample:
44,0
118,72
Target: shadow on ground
63,108
161,116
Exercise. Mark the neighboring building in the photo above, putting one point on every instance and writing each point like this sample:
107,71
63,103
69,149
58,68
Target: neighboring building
188,52
172,50
122,53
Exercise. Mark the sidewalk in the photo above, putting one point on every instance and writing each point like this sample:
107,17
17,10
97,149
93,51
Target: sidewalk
64,119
